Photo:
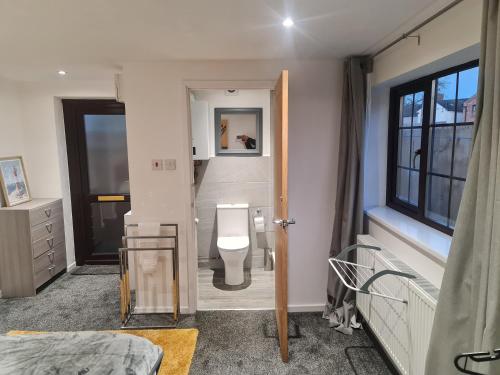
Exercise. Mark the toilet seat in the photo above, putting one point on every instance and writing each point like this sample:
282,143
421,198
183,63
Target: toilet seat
233,243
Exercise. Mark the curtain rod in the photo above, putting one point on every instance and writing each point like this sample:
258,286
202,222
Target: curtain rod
419,26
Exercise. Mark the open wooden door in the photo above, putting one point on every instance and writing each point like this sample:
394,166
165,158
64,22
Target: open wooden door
281,210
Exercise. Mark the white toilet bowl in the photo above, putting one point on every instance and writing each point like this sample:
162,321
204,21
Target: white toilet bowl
233,251
233,240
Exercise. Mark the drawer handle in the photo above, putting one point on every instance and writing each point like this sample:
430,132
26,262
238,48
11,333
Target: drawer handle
50,254
48,212
51,268
50,242
49,227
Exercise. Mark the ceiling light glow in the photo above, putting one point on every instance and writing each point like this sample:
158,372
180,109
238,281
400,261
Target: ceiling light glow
61,72
288,22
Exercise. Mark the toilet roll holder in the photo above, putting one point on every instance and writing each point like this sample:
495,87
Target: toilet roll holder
126,305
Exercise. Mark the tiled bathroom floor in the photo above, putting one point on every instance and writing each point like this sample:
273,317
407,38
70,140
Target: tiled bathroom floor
259,295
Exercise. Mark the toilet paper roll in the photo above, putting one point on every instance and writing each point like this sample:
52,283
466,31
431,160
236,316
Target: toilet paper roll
259,224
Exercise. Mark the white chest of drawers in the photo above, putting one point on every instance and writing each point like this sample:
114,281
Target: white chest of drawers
32,247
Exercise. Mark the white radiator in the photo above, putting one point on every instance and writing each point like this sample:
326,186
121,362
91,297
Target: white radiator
403,329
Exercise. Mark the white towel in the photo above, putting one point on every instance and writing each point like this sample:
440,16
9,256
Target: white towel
148,259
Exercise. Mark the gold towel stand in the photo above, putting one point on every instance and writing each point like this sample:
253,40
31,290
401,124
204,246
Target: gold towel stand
126,309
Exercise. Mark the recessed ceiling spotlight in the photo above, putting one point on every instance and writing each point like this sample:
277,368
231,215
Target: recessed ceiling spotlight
288,22
61,72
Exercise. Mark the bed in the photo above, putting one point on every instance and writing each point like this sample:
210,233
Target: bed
79,353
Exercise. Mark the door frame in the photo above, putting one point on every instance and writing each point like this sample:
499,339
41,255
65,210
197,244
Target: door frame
192,247
73,109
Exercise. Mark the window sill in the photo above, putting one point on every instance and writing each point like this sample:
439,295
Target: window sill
428,241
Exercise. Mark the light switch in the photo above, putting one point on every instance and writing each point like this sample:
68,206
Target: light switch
170,164
157,165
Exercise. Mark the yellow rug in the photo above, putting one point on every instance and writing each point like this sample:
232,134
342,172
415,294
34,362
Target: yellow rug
178,346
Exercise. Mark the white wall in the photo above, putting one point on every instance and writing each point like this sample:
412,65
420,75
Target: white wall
245,98
450,40
453,31
11,133
157,124
44,142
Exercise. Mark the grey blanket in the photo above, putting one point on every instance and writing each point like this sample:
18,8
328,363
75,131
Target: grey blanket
78,353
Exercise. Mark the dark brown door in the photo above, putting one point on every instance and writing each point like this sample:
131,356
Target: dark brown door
96,142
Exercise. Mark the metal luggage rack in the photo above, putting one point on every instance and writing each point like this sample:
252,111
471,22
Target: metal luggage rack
359,277
126,309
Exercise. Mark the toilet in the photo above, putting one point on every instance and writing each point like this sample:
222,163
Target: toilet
232,240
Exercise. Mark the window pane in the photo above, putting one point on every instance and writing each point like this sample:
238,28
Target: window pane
438,190
107,219
463,145
406,111
418,108
402,184
445,99
404,148
440,148
467,89
416,141
106,140
457,189
414,176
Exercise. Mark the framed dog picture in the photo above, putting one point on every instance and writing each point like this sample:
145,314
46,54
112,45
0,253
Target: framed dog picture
13,181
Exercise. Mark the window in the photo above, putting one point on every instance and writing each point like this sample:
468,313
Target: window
430,139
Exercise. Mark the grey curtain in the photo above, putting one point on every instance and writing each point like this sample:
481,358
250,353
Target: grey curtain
348,220
468,312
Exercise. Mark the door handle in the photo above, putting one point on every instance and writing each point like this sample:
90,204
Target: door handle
110,198
284,222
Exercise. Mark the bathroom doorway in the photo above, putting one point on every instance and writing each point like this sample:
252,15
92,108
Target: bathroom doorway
232,142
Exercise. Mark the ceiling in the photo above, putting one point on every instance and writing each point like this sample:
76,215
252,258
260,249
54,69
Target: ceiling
92,36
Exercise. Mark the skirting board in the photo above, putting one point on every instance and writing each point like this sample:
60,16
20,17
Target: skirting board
306,308
71,267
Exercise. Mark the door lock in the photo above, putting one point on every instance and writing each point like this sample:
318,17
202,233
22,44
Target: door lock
284,222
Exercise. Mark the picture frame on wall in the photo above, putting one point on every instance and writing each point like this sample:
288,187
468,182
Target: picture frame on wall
238,131
13,181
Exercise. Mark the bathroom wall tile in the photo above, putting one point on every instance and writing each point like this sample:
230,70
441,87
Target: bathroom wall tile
242,169
207,195
207,244
206,217
253,193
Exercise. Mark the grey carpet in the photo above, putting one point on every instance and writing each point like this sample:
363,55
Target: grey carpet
230,342
86,270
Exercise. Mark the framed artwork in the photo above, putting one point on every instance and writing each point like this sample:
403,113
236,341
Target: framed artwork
238,131
13,181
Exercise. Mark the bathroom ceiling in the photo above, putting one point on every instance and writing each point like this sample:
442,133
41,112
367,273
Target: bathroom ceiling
96,36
